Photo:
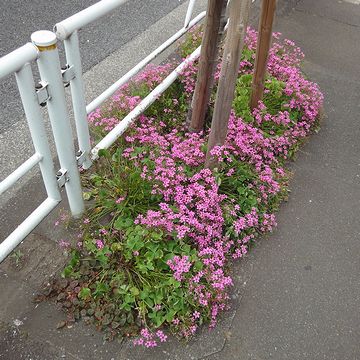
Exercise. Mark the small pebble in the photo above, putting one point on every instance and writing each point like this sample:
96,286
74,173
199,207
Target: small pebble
61,324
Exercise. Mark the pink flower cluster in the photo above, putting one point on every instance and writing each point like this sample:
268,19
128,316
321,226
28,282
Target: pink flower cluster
192,208
180,266
149,339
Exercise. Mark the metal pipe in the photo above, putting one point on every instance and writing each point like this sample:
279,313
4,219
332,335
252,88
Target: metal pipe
113,88
49,67
24,229
19,172
78,97
119,129
17,59
66,27
189,12
26,85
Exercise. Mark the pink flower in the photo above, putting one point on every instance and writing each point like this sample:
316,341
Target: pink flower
179,266
99,244
162,337
64,244
196,315
120,199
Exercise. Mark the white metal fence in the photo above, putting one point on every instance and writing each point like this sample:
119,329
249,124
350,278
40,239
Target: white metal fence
18,62
50,91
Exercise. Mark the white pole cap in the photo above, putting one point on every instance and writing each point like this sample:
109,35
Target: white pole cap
43,38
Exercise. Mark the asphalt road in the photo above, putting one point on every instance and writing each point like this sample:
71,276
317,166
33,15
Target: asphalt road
19,18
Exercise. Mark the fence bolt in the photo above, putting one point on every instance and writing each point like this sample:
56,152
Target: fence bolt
68,74
61,177
42,92
81,157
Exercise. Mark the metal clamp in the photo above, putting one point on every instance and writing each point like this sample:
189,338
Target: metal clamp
61,177
42,92
67,73
81,157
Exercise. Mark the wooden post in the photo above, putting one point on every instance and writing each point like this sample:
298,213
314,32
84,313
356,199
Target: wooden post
215,21
239,15
262,51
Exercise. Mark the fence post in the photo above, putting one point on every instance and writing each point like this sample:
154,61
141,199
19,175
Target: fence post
78,97
189,13
50,72
262,51
239,15
26,85
215,13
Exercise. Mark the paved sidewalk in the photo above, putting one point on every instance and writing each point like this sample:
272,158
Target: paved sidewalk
297,295
301,299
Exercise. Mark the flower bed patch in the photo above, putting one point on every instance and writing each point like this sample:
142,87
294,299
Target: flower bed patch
154,250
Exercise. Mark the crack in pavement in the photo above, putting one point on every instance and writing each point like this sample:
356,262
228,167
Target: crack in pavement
225,339
326,17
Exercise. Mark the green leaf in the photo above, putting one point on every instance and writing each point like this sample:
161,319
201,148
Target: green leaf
101,289
198,265
103,153
129,299
85,293
174,283
74,258
87,195
117,155
150,265
169,317
135,243
135,291
123,223
102,258
149,302
116,246
67,272
158,297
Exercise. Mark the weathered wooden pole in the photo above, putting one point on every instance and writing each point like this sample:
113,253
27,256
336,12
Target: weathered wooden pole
262,51
239,15
215,21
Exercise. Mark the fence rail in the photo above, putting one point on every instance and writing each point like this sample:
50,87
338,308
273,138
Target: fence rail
125,78
119,129
23,169
79,20
14,61
50,92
